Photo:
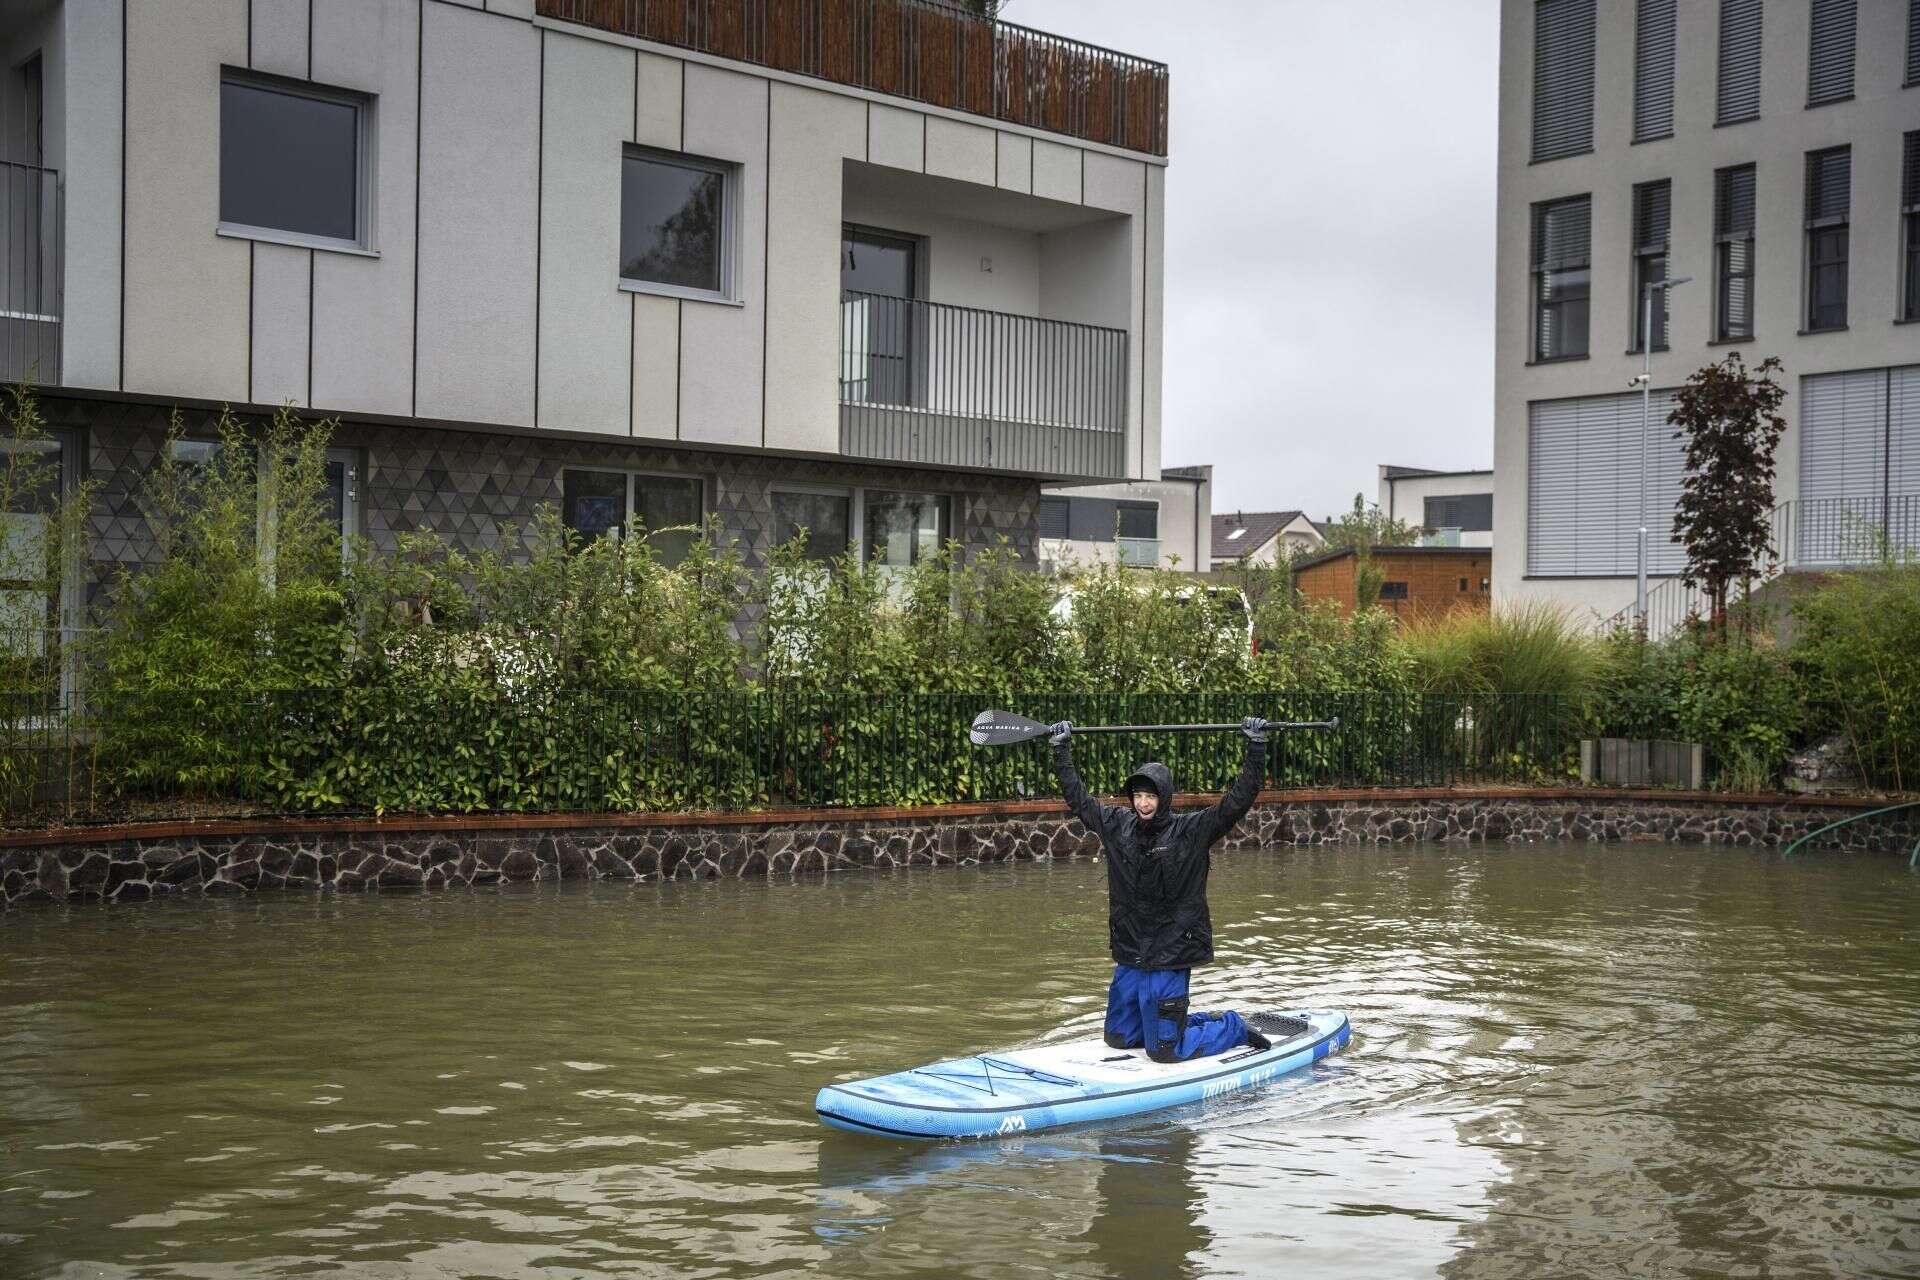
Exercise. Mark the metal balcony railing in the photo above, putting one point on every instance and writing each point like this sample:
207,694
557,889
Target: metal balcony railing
929,51
1807,533
30,258
929,382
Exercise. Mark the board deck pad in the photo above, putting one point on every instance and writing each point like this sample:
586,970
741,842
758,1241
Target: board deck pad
1024,1090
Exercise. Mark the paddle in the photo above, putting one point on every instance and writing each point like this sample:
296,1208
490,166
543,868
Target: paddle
1003,728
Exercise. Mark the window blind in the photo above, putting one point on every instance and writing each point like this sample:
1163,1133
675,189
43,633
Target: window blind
1733,216
1053,517
1859,464
1652,205
1562,78
1829,184
1653,44
1583,486
1738,96
1830,52
1913,42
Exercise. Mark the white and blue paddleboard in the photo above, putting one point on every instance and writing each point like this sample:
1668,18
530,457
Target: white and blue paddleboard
995,1094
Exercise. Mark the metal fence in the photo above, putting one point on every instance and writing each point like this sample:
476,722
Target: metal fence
31,230
931,51
932,382
183,752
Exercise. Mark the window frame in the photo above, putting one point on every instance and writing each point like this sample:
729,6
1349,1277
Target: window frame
1723,242
1813,229
1908,249
945,501
728,294
366,108
631,477
1643,258
1538,274
1813,54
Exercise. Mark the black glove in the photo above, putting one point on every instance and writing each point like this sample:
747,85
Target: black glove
1058,733
1255,728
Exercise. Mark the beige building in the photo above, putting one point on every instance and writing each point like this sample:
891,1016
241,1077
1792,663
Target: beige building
1767,150
1451,508
1162,522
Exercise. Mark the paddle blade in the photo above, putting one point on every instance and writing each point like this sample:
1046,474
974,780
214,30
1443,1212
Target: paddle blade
1003,728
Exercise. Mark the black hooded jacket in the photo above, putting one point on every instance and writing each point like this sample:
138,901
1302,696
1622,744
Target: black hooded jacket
1157,871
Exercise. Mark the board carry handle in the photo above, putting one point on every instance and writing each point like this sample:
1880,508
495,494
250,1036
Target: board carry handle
1003,728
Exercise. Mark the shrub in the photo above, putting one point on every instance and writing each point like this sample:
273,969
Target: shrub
1859,657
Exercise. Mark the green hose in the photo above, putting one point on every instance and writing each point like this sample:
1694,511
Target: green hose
1912,862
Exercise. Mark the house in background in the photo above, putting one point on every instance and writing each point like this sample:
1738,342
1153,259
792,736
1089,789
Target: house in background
1262,537
1162,522
1769,152
1452,508
1426,581
591,255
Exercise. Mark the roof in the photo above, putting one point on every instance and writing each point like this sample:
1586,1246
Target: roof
1324,557
1261,528
1186,473
1390,472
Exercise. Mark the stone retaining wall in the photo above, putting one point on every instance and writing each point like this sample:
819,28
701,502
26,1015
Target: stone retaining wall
359,854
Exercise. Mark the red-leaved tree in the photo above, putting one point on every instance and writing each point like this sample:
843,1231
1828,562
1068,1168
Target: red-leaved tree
1729,417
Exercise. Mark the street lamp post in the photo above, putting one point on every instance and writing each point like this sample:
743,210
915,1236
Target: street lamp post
1646,398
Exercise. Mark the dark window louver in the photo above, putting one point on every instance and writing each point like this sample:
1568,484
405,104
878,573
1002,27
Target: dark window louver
1653,71
1562,78
1733,217
1830,52
1913,42
1562,278
1910,223
1652,214
1829,208
1738,96
1053,517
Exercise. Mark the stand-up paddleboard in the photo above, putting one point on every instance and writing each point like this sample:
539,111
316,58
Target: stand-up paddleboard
995,1094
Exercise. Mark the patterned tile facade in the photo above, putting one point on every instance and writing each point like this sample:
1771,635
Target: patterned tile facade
467,485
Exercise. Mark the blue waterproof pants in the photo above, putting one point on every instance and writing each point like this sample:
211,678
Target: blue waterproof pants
1148,1007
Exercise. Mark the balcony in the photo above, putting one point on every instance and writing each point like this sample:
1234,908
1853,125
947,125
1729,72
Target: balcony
926,50
1138,553
30,225
933,383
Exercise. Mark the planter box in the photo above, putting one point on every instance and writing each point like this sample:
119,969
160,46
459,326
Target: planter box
1642,762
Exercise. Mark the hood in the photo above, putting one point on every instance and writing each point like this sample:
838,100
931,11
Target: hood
1160,778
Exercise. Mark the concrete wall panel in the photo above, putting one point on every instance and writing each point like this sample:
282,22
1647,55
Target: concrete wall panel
957,150
281,310
278,36
91,165
896,138
186,289
1153,331
722,365
656,366
657,90
479,161
1057,171
813,135
1013,163
585,320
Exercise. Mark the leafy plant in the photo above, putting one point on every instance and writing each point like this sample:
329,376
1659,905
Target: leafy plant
1859,658
1730,419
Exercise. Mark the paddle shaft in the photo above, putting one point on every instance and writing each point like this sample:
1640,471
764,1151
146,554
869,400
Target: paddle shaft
1196,728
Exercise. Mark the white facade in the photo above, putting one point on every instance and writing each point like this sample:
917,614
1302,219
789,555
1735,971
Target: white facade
489,291
1884,105
1448,505
1181,507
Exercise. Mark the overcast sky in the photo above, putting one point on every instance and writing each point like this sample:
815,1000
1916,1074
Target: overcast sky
1329,235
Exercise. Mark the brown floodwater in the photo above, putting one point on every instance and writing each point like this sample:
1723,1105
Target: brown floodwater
1567,1060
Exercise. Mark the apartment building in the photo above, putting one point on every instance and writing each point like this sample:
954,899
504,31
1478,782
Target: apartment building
1143,523
1766,151
878,276
1450,508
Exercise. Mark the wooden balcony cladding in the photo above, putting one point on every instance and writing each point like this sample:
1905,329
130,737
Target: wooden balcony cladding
925,50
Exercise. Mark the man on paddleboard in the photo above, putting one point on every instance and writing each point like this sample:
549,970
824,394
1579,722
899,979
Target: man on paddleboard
1158,927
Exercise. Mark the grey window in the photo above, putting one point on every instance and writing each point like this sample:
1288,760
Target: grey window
1562,234
30,580
1393,591
1562,78
878,282
293,159
676,223
903,529
1913,42
1652,215
1733,253
826,519
1139,520
1653,70
1738,96
1830,52
1829,183
343,494
597,504
1053,517
1467,512
1859,465
1583,486
1910,220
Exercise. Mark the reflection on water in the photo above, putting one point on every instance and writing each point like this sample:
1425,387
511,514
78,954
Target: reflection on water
1567,1060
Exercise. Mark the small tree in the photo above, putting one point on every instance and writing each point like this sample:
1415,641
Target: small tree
1366,527
1730,419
